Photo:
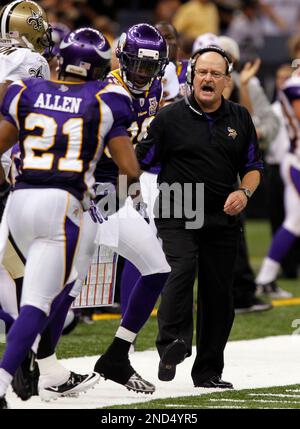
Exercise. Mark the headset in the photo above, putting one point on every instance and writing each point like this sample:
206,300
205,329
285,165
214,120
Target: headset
211,48
191,67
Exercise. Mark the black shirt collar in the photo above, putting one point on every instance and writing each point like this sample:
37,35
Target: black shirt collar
221,111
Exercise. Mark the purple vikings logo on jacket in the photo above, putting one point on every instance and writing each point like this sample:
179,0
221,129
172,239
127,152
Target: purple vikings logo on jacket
145,108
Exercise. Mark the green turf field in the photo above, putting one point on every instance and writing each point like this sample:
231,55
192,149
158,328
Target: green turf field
94,339
274,397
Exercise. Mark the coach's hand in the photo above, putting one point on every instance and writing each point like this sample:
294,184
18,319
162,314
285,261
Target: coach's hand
235,203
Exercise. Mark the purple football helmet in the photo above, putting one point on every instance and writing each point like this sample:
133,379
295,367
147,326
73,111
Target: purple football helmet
85,52
291,88
59,32
143,56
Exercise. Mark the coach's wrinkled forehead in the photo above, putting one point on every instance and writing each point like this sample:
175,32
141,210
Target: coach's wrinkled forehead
212,59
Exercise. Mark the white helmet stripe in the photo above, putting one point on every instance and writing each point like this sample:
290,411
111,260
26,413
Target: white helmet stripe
9,7
105,55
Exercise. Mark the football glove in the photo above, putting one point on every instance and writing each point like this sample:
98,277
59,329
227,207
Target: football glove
96,214
141,208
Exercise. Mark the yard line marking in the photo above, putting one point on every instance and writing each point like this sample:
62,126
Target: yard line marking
281,395
253,400
285,302
109,316
181,406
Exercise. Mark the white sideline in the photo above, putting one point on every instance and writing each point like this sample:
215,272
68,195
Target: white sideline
271,361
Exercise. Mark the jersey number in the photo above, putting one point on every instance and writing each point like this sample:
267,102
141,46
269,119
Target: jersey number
134,133
71,128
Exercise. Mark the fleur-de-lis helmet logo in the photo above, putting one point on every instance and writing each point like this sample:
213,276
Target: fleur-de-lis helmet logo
36,20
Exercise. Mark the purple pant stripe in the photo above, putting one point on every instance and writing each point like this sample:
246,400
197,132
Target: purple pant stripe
281,244
295,177
72,234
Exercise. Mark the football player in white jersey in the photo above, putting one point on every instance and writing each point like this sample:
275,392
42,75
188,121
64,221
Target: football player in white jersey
24,35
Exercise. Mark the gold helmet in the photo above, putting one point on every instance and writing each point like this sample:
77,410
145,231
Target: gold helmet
24,23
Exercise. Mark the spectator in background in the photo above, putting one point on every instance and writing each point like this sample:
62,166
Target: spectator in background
196,17
247,90
168,31
246,30
107,26
226,9
206,39
280,16
165,10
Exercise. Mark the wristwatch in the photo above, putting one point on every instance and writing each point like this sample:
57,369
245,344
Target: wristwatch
247,192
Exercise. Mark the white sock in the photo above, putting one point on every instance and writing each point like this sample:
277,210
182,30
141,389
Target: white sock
5,380
35,345
125,334
52,373
268,271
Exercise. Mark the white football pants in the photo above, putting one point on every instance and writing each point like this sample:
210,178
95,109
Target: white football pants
126,233
291,194
45,225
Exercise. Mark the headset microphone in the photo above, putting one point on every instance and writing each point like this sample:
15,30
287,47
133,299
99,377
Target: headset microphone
193,59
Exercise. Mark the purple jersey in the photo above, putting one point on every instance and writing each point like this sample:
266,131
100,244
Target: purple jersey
63,130
181,68
145,108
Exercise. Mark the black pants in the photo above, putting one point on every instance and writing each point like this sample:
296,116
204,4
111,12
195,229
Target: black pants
213,248
244,281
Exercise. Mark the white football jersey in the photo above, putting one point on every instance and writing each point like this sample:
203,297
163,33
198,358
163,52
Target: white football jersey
20,63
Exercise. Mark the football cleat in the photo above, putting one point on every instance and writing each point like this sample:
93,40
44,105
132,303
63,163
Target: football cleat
137,384
272,291
3,403
75,384
254,305
121,372
25,381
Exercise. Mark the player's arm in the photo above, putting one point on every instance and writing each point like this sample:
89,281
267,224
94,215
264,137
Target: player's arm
123,155
8,137
3,88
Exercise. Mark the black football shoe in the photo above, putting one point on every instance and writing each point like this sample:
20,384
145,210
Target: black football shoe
25,381
215,382
173,354
121,372
3,403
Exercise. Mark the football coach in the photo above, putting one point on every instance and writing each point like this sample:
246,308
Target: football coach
200,139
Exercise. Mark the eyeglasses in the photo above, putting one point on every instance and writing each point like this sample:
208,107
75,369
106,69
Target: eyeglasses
214,74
